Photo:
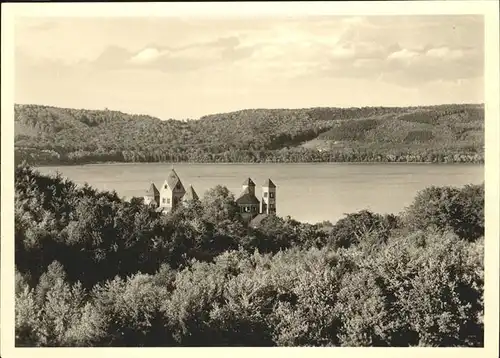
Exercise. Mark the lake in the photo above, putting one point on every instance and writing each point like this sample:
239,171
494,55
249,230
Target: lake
307,192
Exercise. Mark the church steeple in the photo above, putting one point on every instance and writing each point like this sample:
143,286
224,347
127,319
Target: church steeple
152,195
247,202
249,185
191,195
268,201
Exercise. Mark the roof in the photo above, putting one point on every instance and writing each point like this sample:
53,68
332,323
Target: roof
152,191
191,194
269,184
174,182
256,221
249,182
246,197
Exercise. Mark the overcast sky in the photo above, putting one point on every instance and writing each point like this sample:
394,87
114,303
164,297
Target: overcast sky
182,68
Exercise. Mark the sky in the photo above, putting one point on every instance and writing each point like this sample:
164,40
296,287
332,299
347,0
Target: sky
184,68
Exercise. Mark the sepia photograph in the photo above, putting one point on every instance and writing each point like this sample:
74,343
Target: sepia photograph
300,179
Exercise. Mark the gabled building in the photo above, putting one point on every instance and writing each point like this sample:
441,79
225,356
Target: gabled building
172,194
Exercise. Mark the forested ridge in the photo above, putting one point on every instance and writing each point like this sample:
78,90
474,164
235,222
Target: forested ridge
94,270
435,134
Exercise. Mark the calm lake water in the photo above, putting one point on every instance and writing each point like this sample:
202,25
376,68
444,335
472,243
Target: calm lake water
306,192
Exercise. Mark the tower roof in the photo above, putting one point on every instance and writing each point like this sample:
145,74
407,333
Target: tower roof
246,198
174,182
249,182
269,184
152,191
259,219
191,194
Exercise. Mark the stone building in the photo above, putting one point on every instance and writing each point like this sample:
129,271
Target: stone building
173,193
247,201
268,200
251,209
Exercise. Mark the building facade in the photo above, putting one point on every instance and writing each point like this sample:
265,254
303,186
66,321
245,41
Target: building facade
173,193
268,200
252,208
247,201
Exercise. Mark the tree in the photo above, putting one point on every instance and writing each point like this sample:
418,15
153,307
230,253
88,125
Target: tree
50,135
130,312
55,313
363,225
94,270
219,204
449,208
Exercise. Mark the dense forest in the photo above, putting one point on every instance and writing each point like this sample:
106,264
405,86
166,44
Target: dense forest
435,134
94,270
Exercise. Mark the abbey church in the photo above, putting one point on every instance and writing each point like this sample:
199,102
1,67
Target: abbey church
171,194
252,210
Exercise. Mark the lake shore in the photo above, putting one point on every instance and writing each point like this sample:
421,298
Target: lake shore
308,192
254,163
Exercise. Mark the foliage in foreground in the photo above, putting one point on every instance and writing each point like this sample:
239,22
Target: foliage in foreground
92,270
426,292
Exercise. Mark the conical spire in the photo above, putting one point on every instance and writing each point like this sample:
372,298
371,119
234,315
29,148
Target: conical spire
191,194
152,191
248,182
269,184
174,182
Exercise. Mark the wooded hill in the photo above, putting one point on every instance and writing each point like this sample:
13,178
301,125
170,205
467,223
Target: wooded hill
445,133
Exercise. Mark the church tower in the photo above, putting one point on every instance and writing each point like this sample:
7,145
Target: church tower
171,192
268,201
191,196
152,196
249,186
247,201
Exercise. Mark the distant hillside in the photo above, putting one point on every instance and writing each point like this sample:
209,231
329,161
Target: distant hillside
447,133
